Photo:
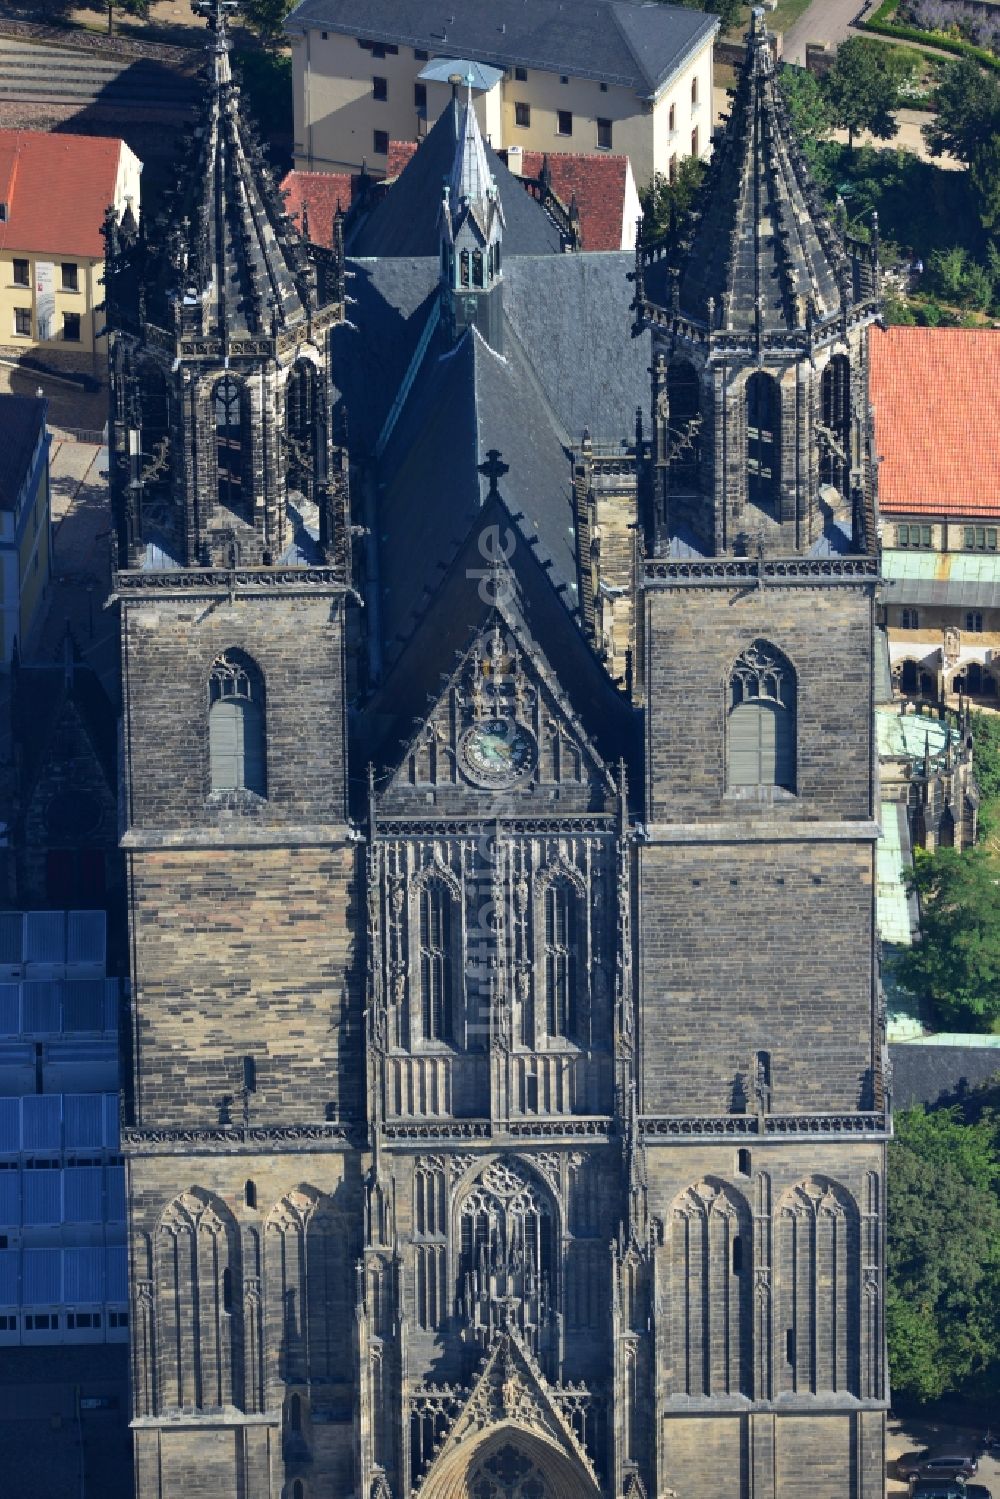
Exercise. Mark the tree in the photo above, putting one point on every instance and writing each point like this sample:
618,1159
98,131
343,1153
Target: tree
986,753
267,18
862,88
956,963
943,1254
730,12
808,108
662,199
967,125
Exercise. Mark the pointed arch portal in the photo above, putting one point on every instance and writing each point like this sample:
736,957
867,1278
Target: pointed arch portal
509,1461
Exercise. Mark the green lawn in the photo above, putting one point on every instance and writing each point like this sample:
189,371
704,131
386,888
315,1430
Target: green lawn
787,13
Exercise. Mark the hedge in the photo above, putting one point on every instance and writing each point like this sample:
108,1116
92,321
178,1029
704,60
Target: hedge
880,24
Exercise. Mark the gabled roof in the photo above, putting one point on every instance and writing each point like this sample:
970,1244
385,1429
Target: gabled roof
595,181
761,241
22,419
320,194
406,220
636,45
56,188
936,394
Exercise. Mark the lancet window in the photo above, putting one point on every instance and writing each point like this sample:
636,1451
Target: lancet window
229,445
236,725
764,441
506,1251
561,922
761,727
437,964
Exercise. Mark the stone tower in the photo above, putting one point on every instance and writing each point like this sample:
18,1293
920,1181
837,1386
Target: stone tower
508,1111
232,570
762,1091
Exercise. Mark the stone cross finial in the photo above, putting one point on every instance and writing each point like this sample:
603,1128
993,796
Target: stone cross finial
493,468
215,13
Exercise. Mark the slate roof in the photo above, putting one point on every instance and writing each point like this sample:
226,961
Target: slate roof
322,193
56,188
468,401
405,221
596,181
21,421
636,45
760,237
928,1073
936,393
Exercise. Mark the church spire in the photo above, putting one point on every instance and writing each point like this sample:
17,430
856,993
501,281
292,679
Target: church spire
472,224
763,257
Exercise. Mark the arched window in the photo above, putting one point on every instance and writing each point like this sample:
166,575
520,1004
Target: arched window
835,463
300,426
154,429
236,725
684,396
560,958
764,441
709,1291
229,445
436,960
477,267
464,267
761,729
817,1286
506,1251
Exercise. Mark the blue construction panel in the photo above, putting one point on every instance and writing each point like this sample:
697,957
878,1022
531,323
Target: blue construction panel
85,937
10,1199
83,1194
41,1122
117,1273
84,1121
11,939
9,1266
10,1008
116,1194
111,1111
83,1275
10,1125
41,1277
45,937
83,1005
41,1007
42,1196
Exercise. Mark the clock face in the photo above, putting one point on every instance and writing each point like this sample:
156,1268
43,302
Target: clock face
498,750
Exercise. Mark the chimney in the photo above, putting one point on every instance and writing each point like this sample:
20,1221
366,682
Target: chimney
515,160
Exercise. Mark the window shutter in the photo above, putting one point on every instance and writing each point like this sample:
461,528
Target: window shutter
225,744
761,745
744,745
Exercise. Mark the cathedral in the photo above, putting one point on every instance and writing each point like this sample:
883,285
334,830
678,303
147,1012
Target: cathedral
508,1095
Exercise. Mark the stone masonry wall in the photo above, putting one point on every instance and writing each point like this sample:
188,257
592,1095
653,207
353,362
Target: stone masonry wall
693,637
756,947
168,650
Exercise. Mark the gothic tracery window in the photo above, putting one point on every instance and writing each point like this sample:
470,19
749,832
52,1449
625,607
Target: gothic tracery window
835,461
761,720
436,960
236,725
763,398
506,1250
684,398
300,421
560,957
229,445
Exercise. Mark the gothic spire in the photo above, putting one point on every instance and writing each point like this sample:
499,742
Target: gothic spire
763,255
471,178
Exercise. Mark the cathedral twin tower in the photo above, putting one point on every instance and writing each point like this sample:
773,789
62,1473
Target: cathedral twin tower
507,1106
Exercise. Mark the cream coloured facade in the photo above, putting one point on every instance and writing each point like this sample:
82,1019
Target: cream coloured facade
51,250
351,97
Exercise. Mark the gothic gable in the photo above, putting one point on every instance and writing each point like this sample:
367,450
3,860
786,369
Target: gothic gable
501,726
510,1398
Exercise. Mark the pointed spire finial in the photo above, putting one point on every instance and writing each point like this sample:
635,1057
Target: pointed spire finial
493,468
759,49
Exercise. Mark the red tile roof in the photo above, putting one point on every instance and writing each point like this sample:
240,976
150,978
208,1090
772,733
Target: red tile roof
322,193
56,188
936,393
400,153
598,183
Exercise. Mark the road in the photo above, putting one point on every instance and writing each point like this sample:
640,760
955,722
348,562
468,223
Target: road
826,21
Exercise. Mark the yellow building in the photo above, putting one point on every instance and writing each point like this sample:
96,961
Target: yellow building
614,75
24,518
54,191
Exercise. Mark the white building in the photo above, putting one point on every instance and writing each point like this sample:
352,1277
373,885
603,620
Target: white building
611,75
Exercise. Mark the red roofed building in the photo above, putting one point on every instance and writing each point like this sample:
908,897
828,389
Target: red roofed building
54,190
320,194
602,187
936,394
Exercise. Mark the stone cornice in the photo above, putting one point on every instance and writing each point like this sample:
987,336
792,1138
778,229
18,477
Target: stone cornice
228,1140
755,572
873,1125
221,582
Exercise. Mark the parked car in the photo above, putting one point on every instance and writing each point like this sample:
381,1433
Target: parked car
938,1488
977,1491
940,1464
